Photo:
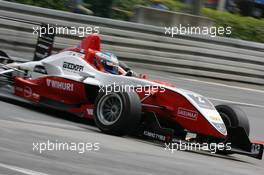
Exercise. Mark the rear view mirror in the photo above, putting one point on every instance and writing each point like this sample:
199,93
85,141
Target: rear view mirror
87,74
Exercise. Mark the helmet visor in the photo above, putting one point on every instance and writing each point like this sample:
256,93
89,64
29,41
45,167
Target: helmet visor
111,67
109,61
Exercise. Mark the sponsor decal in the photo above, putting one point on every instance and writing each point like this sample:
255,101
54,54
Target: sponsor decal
19,89
36,96
60,85
27,92
255,148
220,127
72,67
89,111
154,135
201,101
186,113
216,118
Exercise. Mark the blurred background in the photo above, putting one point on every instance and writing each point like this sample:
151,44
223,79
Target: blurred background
135,31
226,69
244,16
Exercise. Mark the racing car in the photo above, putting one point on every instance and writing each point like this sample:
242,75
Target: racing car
122,102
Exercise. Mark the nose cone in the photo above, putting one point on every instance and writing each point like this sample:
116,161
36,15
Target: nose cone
215,120
220,127
209,113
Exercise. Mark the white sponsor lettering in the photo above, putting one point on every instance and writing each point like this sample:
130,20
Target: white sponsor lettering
187,113
60,85
36,96
27,92
154,135
19,89
72,67
90,111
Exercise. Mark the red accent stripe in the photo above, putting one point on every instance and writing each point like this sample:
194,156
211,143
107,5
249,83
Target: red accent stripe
258,142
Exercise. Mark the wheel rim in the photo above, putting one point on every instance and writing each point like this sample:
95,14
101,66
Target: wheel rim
109,109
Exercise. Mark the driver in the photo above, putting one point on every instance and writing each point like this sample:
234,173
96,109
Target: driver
106,62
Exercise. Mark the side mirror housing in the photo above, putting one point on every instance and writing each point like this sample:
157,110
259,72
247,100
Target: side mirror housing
87,75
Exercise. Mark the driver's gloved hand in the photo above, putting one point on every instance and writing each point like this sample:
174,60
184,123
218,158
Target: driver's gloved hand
130,73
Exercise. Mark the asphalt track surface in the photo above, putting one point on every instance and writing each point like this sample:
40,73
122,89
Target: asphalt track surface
22,125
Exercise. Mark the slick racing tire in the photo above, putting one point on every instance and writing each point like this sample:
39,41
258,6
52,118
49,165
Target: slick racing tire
233,116
117,113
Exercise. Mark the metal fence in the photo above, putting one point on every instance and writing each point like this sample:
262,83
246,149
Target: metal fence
137,44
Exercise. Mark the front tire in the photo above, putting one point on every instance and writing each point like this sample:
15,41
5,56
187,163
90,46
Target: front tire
117,113
233,116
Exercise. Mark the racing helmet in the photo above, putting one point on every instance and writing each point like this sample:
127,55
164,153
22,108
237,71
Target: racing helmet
106,61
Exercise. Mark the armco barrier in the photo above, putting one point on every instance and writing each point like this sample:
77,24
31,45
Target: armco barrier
138,44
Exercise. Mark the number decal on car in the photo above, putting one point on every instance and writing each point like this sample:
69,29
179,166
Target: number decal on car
255,148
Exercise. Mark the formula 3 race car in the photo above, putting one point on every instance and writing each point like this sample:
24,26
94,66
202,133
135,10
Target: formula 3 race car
125,104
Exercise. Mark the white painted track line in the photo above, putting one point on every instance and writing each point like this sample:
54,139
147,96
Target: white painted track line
21,170
222,85
234,102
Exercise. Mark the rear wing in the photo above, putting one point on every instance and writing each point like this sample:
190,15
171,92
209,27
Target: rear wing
45,42
3,54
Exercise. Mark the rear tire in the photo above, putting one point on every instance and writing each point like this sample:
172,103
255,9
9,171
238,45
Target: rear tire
117,113
233,116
